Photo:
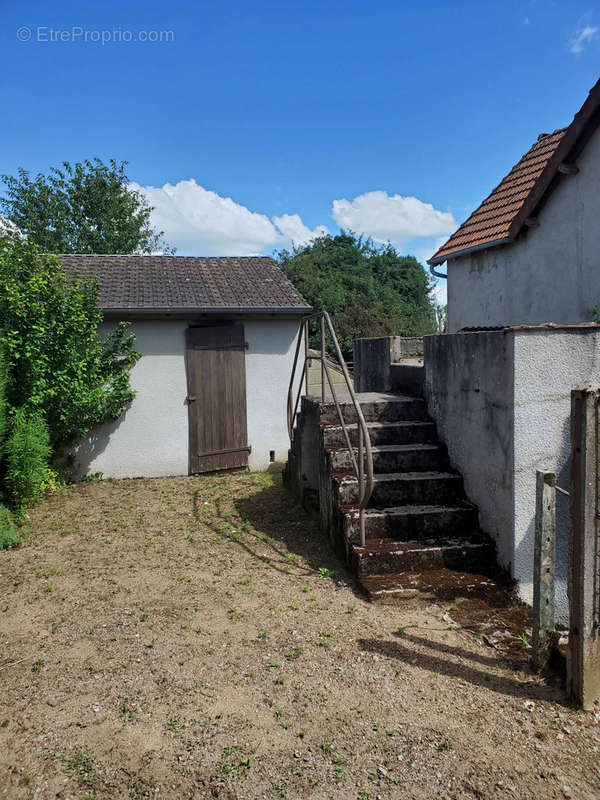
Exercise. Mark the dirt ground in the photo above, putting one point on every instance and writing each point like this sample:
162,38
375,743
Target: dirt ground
196,637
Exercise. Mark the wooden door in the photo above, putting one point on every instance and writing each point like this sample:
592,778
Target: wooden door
216,377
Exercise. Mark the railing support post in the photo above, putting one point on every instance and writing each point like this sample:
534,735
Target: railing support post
306,363
544,568
583,658
361,488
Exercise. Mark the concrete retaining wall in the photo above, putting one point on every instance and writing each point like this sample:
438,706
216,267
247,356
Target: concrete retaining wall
501,401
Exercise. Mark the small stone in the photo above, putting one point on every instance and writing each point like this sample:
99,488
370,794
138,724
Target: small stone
529,705
51,701
297,754
566,790
96,708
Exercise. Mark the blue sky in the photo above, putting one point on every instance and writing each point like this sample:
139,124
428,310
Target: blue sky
253,124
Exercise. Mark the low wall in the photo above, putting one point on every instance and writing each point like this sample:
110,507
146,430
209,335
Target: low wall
469,392
377,363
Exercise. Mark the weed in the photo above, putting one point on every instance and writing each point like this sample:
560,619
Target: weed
142,788
233,764
93,477
126,710
524,639
263,633
295,653
173,724
280,680
399,631
325,572
446,745
37,665
80,765
351,608
25,780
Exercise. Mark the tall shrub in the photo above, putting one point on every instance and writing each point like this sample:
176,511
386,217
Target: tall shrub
27,451
58,364
3,404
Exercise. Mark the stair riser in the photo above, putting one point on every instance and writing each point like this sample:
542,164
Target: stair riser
377,411
404,434
419,461
468,558
421,492
412,526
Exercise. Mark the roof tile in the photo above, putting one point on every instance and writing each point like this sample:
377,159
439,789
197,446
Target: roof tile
149,283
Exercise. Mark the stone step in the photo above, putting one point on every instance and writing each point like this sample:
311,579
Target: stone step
411,522
385,556
382,433
376,408
432,584
395,458
402,488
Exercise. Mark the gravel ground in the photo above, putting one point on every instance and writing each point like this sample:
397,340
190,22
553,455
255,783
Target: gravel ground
196,637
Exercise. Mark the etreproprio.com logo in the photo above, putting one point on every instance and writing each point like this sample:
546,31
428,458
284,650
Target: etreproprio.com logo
77,33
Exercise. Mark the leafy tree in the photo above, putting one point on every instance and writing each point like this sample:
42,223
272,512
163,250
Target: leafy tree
367,290
87,207
57,363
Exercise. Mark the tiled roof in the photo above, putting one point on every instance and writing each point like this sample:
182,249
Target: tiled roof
168,283
503,213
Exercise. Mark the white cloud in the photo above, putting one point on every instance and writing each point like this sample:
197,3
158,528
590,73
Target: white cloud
391,218
292,228
198,221
582,37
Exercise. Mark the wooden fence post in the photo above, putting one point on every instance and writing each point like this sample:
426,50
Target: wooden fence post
544,568
583,659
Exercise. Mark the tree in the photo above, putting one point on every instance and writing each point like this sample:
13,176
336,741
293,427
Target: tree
367,290
86,207
56,362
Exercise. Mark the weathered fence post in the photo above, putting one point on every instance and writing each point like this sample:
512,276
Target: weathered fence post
583,661
544,568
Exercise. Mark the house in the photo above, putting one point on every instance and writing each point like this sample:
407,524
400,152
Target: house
523,282
529,254
217,338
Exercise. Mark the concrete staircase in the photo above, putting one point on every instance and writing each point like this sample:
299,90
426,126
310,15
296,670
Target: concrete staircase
418,518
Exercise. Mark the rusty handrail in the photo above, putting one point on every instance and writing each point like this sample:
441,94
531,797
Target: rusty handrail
363,466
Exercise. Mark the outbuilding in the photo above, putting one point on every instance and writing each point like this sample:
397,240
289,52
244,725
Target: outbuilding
217,338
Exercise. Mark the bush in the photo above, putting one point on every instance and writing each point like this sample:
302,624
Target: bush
27,452
9,536
56,361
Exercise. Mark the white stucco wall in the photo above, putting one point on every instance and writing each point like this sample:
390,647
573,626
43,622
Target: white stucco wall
550,274
151,437
548,364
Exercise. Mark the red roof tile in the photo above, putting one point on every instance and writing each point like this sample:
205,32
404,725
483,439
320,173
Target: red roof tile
503,213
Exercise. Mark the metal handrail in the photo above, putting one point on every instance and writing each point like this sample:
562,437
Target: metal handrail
363,465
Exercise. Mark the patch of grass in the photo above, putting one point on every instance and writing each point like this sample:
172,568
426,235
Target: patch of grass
445,746
234,763
173,724
142,788
37,665
79,764
295,653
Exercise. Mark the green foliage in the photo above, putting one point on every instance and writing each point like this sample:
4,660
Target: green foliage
367,290
3,402
57,363
441,319
9,536
87,207
28,451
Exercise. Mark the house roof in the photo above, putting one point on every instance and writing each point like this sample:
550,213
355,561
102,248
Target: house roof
502,215
168,284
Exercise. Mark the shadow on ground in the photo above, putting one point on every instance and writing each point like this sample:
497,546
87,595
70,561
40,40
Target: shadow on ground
277,531
462,664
